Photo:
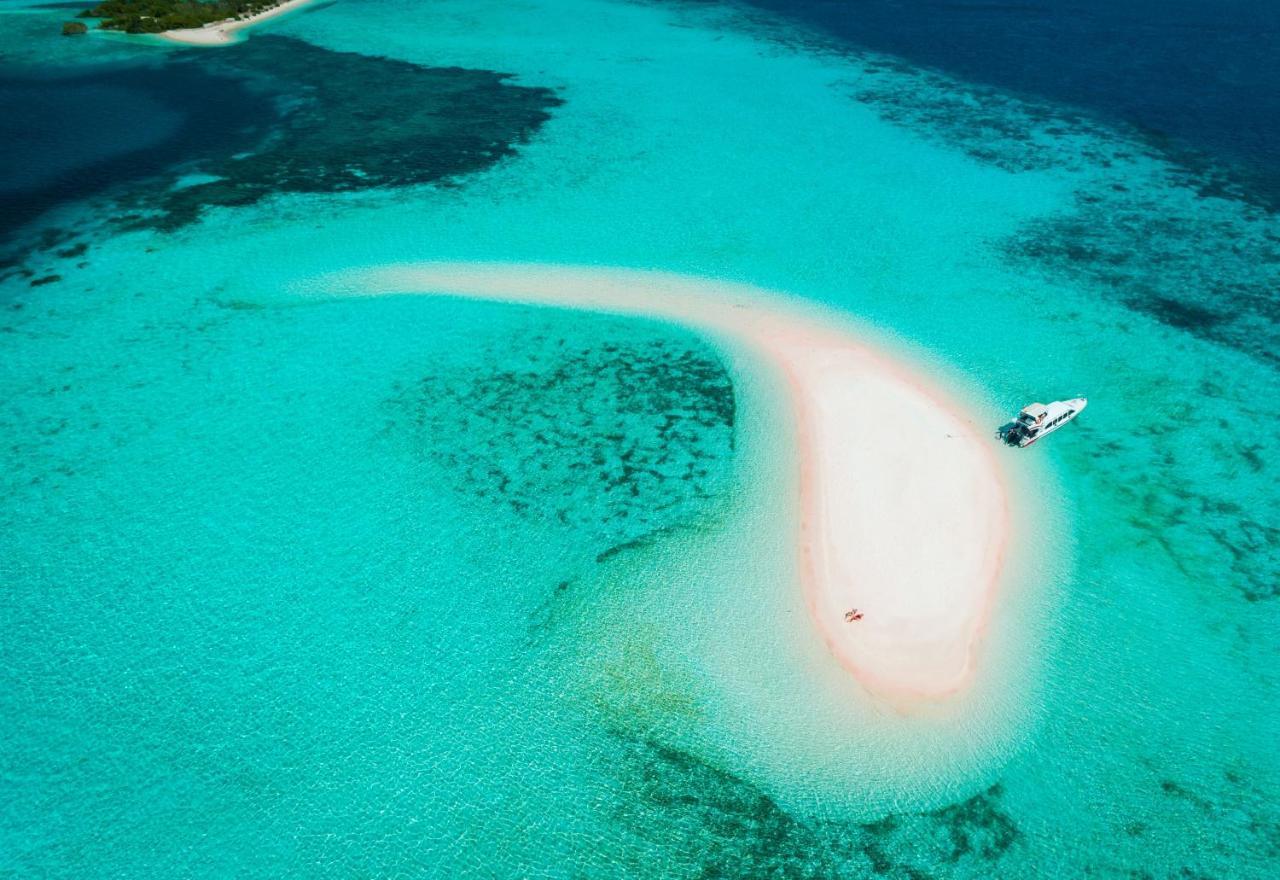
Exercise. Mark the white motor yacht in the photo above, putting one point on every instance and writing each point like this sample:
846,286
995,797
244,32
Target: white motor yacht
1039,419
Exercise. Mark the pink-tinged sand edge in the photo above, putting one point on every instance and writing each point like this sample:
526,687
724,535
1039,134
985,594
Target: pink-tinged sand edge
903,508
220,33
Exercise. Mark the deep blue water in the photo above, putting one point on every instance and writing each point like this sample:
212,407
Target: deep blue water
141,119
1205,74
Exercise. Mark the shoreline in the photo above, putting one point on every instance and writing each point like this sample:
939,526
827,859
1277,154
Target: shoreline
903,506
221,33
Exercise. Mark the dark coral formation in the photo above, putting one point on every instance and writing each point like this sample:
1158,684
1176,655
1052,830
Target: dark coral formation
37,251
1240,804
713,823
1217,539
704,821
1165,232
1203,265
433,125
991,126
619,439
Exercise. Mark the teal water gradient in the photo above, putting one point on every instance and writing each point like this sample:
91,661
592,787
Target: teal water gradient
286,590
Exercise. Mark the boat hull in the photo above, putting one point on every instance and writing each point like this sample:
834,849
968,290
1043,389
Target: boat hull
1060,412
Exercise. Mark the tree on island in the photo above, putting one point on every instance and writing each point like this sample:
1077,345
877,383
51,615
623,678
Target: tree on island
74,28
155,16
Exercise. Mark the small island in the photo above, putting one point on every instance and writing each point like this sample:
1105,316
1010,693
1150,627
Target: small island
158,16
194,22
74,28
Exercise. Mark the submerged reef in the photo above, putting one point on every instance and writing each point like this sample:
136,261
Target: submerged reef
701,820
988,125
1167,234
1166,258
705,821
617,439
434,124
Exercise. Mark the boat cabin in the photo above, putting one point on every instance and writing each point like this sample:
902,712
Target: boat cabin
1033,416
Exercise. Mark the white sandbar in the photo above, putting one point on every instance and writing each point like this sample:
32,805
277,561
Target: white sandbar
220,33
903,510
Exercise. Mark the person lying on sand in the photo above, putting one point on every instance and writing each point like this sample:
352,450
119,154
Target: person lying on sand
851,615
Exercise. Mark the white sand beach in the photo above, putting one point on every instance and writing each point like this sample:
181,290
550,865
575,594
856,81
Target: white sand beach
903,509
220,33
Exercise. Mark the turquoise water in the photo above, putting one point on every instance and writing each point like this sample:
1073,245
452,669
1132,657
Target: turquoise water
407,585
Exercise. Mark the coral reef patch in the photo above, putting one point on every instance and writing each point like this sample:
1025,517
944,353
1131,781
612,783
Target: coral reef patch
709,822
435,125
617,438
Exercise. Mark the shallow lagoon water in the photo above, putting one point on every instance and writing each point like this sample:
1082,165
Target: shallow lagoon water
260,621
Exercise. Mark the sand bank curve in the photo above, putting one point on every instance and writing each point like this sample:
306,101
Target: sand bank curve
903,511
